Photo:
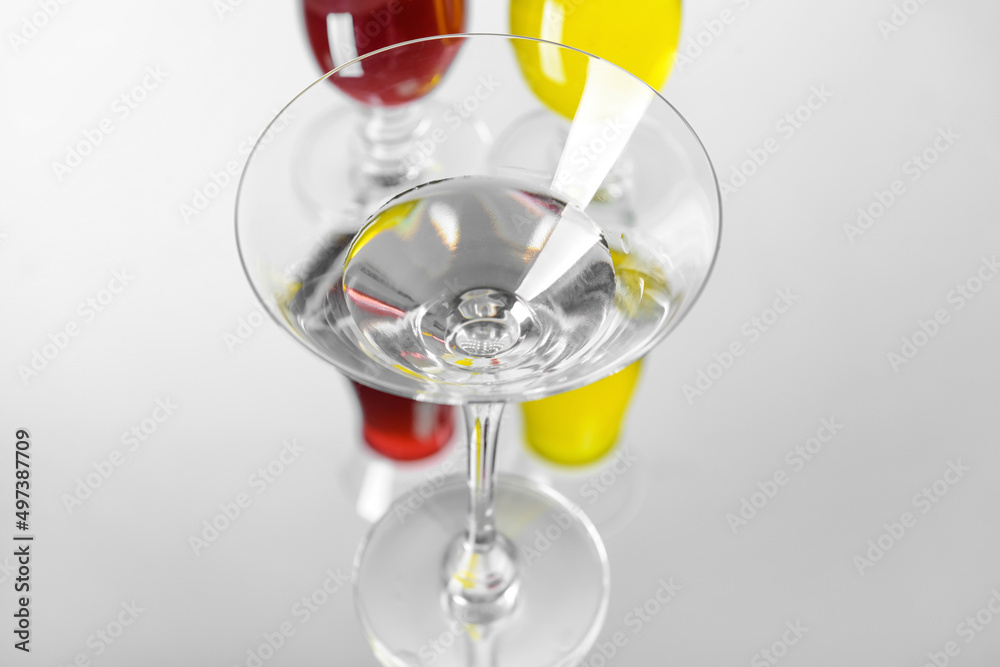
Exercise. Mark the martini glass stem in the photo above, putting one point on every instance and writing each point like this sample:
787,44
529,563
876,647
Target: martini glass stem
482,420
480,567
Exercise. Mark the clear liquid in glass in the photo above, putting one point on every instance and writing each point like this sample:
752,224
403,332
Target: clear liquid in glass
486,281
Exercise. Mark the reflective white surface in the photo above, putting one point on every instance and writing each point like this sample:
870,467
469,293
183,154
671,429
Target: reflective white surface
808,310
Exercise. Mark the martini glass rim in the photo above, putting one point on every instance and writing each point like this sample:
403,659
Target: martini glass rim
541,390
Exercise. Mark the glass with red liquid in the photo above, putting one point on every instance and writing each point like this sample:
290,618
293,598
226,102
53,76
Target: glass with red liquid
405,445
341,30
404,436
391,142
402,429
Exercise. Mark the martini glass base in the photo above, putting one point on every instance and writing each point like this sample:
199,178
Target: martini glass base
562,586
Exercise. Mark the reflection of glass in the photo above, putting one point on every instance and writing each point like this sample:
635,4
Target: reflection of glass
581,426
477,288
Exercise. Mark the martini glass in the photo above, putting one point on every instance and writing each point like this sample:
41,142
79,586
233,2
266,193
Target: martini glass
478,289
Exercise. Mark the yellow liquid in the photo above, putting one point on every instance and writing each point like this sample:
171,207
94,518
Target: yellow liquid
582,425
638,35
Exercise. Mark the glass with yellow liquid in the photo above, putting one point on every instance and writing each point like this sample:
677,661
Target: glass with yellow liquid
581,427
640,36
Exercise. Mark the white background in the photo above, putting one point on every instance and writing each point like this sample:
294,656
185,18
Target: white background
856,297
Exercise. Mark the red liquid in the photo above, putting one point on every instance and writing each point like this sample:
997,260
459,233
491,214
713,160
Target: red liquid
403,429
363,26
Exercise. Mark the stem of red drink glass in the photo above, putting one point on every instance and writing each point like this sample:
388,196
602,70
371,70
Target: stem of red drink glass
480,571
388,144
